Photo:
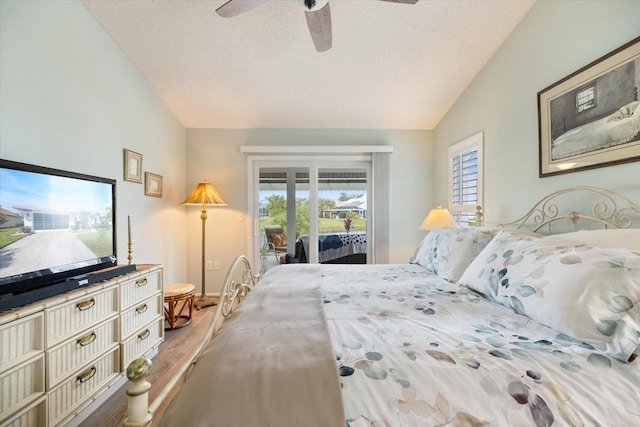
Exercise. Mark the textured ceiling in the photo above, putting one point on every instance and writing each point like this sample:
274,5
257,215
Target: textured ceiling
392,66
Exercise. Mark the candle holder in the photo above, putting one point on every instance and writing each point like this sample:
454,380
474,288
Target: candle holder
129,242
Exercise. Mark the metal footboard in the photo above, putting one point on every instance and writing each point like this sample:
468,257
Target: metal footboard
239,281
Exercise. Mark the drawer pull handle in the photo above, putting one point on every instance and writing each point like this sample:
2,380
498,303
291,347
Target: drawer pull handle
141,282
144,335
86,375
85,305
141,309
87,339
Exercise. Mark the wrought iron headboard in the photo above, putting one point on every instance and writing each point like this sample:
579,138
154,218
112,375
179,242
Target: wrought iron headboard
607,210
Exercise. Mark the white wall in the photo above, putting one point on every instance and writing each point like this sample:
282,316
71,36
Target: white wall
214,154
71,100
555,39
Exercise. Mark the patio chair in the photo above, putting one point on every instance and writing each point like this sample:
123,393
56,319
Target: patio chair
276,239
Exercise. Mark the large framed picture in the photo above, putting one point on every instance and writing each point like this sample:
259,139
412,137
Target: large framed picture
591,118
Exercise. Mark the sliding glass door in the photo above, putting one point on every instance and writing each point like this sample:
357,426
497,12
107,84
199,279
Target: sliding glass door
309,211
342,215
283,206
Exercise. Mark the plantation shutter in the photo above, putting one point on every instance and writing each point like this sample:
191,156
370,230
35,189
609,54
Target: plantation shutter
465,177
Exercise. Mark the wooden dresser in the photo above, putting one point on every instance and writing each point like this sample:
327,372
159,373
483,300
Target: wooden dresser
62,357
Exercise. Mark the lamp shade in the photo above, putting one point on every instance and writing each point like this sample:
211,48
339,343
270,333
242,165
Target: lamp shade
204,194
438,217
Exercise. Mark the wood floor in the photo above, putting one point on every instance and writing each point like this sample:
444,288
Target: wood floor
176,348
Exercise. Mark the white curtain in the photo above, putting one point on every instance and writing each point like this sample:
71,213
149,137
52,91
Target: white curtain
380,201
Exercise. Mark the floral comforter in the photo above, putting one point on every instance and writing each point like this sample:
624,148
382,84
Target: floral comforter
416,350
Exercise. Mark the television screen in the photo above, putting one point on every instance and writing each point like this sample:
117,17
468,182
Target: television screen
53,225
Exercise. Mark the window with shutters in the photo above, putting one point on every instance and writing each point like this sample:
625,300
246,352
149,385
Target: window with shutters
465,179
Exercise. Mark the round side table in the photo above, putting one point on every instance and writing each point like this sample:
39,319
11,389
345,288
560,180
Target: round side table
178,304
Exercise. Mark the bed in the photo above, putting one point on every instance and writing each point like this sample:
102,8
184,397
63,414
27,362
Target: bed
484,326
335,248
620,127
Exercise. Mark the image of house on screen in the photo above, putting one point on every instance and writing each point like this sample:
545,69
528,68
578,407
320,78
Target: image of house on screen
50,220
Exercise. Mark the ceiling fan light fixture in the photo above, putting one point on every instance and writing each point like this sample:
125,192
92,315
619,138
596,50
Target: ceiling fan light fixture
317,14
312,5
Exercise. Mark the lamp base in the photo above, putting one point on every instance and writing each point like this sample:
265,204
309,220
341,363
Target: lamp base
204,301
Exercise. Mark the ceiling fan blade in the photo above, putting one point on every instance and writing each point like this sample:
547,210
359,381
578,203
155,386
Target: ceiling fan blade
402,1
236,7
319,23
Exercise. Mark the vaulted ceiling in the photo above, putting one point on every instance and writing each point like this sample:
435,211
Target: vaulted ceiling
391,66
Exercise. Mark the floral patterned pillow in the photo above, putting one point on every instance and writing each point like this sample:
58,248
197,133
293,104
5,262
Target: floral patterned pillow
448,251
588,292
626,238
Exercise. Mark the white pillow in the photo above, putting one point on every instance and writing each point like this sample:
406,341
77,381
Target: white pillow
588,292
627,238
448,251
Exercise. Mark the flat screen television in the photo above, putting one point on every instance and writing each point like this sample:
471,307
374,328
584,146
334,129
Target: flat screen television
56,227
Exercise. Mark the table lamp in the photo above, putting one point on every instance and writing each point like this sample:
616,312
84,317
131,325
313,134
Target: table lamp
438,217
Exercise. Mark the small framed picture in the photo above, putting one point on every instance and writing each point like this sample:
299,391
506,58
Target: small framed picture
132,166
152,184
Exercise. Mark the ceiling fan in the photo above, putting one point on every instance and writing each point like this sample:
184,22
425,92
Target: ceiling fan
317,13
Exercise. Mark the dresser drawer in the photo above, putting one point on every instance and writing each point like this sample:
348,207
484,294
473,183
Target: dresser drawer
69,395
21,340
21,385
34,415
73,317
140,315
143,341
63,359
139,288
